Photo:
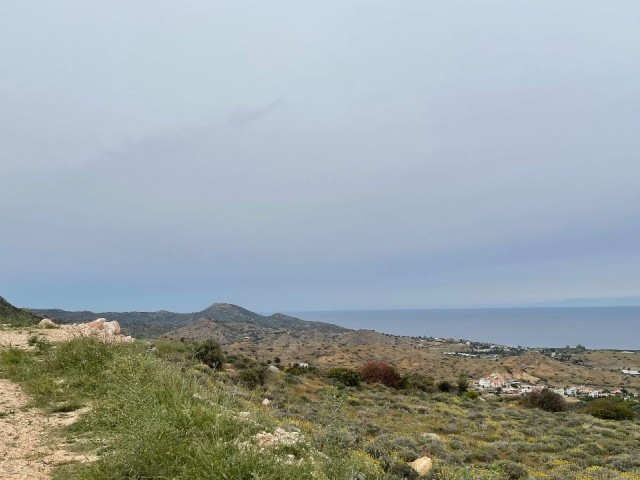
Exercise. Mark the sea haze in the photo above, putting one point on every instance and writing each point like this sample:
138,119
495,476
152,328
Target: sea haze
594,327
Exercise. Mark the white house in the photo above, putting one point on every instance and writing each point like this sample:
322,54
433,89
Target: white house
495,380
630,372
559,391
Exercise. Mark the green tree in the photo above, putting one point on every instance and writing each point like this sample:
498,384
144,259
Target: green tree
544,400
346,376
463,383
609,409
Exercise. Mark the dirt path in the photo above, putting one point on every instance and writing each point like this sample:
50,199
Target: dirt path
28,449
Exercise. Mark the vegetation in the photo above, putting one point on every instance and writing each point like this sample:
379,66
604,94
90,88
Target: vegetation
150,420
345,376
160,412
609,409
16,317
209,353
544,400
380,372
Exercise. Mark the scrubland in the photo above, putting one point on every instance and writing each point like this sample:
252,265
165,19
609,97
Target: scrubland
160,411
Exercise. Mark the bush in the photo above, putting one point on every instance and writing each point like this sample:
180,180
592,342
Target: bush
609,410
344,375
445,386
512,470
463,384
380,372
544,400
417,381
252,377
471,395
209,353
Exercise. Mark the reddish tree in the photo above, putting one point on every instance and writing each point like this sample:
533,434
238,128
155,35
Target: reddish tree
377,371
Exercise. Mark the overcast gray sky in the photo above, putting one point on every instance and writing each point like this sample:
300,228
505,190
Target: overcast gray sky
292,155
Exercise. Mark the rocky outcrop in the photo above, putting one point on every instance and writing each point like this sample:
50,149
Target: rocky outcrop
102,329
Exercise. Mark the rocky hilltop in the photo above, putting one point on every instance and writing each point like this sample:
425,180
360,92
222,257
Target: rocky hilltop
16,316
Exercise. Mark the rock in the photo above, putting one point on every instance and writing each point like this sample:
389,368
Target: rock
422,465
274,369
278,437
108,332
97,324
432,436
112,328
266,402
47,323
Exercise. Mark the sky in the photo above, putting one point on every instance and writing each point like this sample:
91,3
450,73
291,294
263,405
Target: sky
292,155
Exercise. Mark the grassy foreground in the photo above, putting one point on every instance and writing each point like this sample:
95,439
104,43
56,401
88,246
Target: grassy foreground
153,420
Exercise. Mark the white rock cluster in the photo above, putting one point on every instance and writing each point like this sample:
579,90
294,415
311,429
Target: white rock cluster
108,332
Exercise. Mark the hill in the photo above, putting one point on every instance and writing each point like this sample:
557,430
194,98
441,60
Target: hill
155,324
432,357
15,316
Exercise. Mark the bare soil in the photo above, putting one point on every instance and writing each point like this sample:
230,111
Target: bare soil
29,448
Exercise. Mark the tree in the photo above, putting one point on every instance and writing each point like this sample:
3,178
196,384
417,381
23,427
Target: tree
463,383
544,400
609,409
346,376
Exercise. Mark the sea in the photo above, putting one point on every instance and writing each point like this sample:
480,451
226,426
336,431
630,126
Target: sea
594,327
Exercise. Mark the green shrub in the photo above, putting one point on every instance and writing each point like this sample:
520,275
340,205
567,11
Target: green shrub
463,383
209,353
609,409
416,381
544,400
296,370
471,395
346,376
253,377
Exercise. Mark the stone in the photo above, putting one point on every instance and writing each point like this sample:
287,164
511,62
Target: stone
266,402
112,328
47,322
422,465
97,324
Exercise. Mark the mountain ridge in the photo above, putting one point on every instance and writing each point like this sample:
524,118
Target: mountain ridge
154,324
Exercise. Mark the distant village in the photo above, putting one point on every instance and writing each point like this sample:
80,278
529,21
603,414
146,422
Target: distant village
503,384
507,385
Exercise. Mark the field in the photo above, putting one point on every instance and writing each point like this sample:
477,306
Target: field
157,411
